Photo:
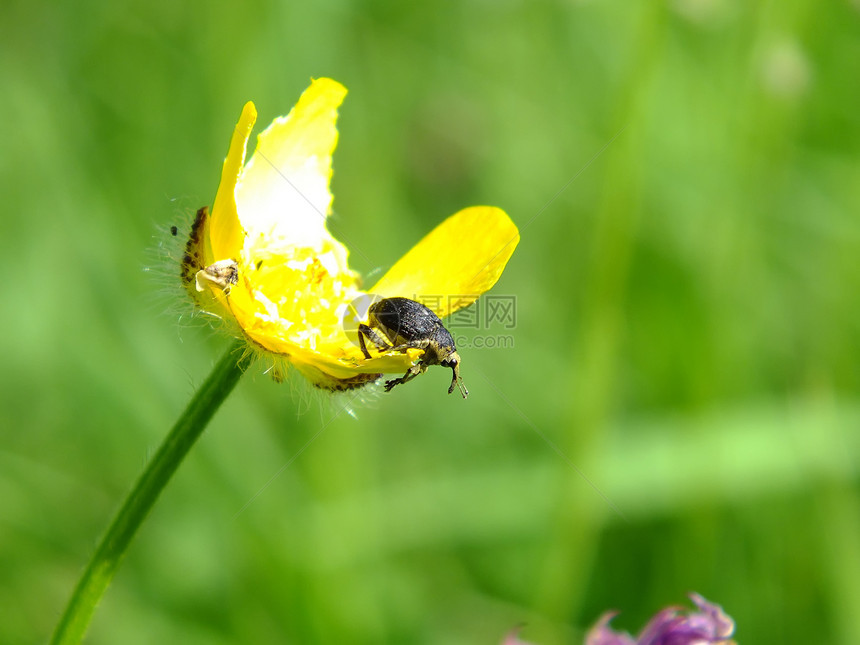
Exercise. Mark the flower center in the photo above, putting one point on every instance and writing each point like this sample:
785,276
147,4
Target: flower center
298,292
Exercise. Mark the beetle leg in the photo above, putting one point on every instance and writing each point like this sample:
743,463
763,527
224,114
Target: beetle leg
411,373
374,337
361,342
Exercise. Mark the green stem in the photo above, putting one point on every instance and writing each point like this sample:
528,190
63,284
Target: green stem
140,500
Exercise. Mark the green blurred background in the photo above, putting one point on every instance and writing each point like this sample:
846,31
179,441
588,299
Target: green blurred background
679,412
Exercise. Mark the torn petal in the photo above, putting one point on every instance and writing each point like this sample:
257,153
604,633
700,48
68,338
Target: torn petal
282,195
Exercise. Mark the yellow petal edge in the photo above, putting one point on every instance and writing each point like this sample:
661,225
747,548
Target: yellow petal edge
225,234
456,262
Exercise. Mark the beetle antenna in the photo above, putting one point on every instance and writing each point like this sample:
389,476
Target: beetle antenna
457,381
463,389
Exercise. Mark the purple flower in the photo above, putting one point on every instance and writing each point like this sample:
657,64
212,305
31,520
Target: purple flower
671,626
710,625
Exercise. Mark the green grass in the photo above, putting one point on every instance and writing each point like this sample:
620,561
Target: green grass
687,334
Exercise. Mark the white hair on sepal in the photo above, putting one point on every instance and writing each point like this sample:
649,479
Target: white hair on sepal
331,403
163,264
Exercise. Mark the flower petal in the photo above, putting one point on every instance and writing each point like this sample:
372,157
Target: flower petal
463,256
225,235
513,637
721,623
603,634
283,193
323,359
679,626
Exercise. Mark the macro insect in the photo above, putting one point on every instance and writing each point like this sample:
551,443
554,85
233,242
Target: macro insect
398,324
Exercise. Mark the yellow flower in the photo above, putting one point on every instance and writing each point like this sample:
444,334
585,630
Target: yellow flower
264,259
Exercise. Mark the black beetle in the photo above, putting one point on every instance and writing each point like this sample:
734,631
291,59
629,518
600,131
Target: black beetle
407,324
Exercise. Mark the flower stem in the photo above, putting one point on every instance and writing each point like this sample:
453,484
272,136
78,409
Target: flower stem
110,552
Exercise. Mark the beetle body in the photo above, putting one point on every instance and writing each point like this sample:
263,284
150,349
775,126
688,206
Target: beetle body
398,324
